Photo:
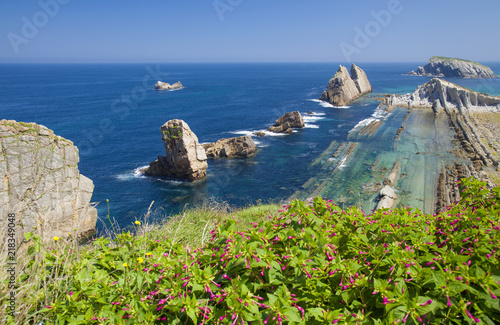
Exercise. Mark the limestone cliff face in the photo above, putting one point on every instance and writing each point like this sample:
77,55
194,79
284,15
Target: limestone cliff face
453,68
233,147
185,158
344,88
41,183
439,94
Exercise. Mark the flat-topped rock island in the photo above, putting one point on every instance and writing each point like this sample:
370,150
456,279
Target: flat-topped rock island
439,66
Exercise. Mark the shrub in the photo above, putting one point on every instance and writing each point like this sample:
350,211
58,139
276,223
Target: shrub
313,264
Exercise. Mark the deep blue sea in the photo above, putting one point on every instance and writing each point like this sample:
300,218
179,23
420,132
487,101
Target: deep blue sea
113,114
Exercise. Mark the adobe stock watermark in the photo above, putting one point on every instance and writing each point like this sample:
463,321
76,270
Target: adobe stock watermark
223,6
364,36
31,27
120,108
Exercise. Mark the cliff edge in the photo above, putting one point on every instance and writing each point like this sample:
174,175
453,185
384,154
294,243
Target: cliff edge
439,66
41,183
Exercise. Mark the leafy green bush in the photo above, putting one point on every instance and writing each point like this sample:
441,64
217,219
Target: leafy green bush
313,264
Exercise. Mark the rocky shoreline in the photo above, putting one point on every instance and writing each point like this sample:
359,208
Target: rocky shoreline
461,106
445,132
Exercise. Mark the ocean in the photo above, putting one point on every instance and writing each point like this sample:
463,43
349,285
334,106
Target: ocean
113,114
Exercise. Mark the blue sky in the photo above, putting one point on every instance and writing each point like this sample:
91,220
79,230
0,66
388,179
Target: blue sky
248,30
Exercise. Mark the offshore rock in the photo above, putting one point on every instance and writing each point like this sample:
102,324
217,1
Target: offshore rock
184,159
453,68
344,88
388,198
165,86
288,121
41,184
229,148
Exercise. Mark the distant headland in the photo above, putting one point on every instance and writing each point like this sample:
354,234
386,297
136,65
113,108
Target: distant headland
440,66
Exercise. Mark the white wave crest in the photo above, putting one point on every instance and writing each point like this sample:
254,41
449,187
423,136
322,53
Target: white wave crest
311,126
312,118
136,173
326,104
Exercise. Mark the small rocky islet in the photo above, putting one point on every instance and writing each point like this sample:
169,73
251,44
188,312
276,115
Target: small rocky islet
444,67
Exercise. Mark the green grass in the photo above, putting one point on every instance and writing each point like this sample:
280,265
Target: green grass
191,229
308,263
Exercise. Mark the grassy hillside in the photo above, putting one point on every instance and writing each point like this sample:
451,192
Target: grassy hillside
310,263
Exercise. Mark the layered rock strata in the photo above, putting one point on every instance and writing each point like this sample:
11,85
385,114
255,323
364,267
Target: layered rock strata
229,148
344,88
440,94
464,109
286,122
185,158
41,183
453,68
166,86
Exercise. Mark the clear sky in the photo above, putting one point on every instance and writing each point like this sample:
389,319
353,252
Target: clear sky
248,30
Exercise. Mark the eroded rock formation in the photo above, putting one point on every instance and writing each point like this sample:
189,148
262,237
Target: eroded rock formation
286,122
344,88
388,198
453,68
41,183
229,148
184,159
441,94
166,86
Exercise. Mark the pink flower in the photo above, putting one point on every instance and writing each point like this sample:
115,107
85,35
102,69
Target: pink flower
428,302
449,304
477,320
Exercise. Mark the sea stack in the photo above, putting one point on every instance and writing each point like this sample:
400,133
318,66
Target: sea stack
185,158
288,121
166,86
344,88
42,185
230,148
439,66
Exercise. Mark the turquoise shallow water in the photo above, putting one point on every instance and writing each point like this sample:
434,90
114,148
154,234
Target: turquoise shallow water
113,114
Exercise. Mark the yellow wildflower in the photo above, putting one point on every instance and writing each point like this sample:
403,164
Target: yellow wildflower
149,254
140,260
55,238
125,264
138,223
